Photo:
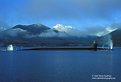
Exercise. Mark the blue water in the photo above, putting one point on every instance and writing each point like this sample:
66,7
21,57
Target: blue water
59,65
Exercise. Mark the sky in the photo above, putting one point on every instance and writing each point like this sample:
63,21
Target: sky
77,13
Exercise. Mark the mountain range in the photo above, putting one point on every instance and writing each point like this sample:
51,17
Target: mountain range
59,35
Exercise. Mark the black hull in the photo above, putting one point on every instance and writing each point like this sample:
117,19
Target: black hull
68,49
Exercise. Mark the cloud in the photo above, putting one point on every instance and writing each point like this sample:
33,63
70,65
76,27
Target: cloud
69,30
16,32
13,33
100,30
67,34
58,31
51,33
4,25
107,31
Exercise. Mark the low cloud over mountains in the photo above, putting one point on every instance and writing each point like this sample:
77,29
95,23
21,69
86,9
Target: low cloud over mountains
41,35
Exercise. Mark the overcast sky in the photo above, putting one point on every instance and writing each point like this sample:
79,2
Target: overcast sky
78,13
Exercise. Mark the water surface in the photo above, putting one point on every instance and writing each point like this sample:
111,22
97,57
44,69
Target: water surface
59,65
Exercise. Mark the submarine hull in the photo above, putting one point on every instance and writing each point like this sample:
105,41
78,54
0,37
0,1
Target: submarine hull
68,49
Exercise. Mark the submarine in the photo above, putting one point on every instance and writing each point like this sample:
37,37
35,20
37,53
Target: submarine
94,46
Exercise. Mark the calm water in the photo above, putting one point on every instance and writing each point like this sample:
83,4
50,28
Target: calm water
59,66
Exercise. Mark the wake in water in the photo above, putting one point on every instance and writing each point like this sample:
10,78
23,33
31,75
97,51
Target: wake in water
107,42
10,48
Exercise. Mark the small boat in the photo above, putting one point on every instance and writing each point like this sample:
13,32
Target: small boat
10,48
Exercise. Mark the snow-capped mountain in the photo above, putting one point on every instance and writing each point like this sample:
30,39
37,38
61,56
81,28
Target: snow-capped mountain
39,35
68,30
62,28
34,28
107,30
2,29
76,32
42,35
